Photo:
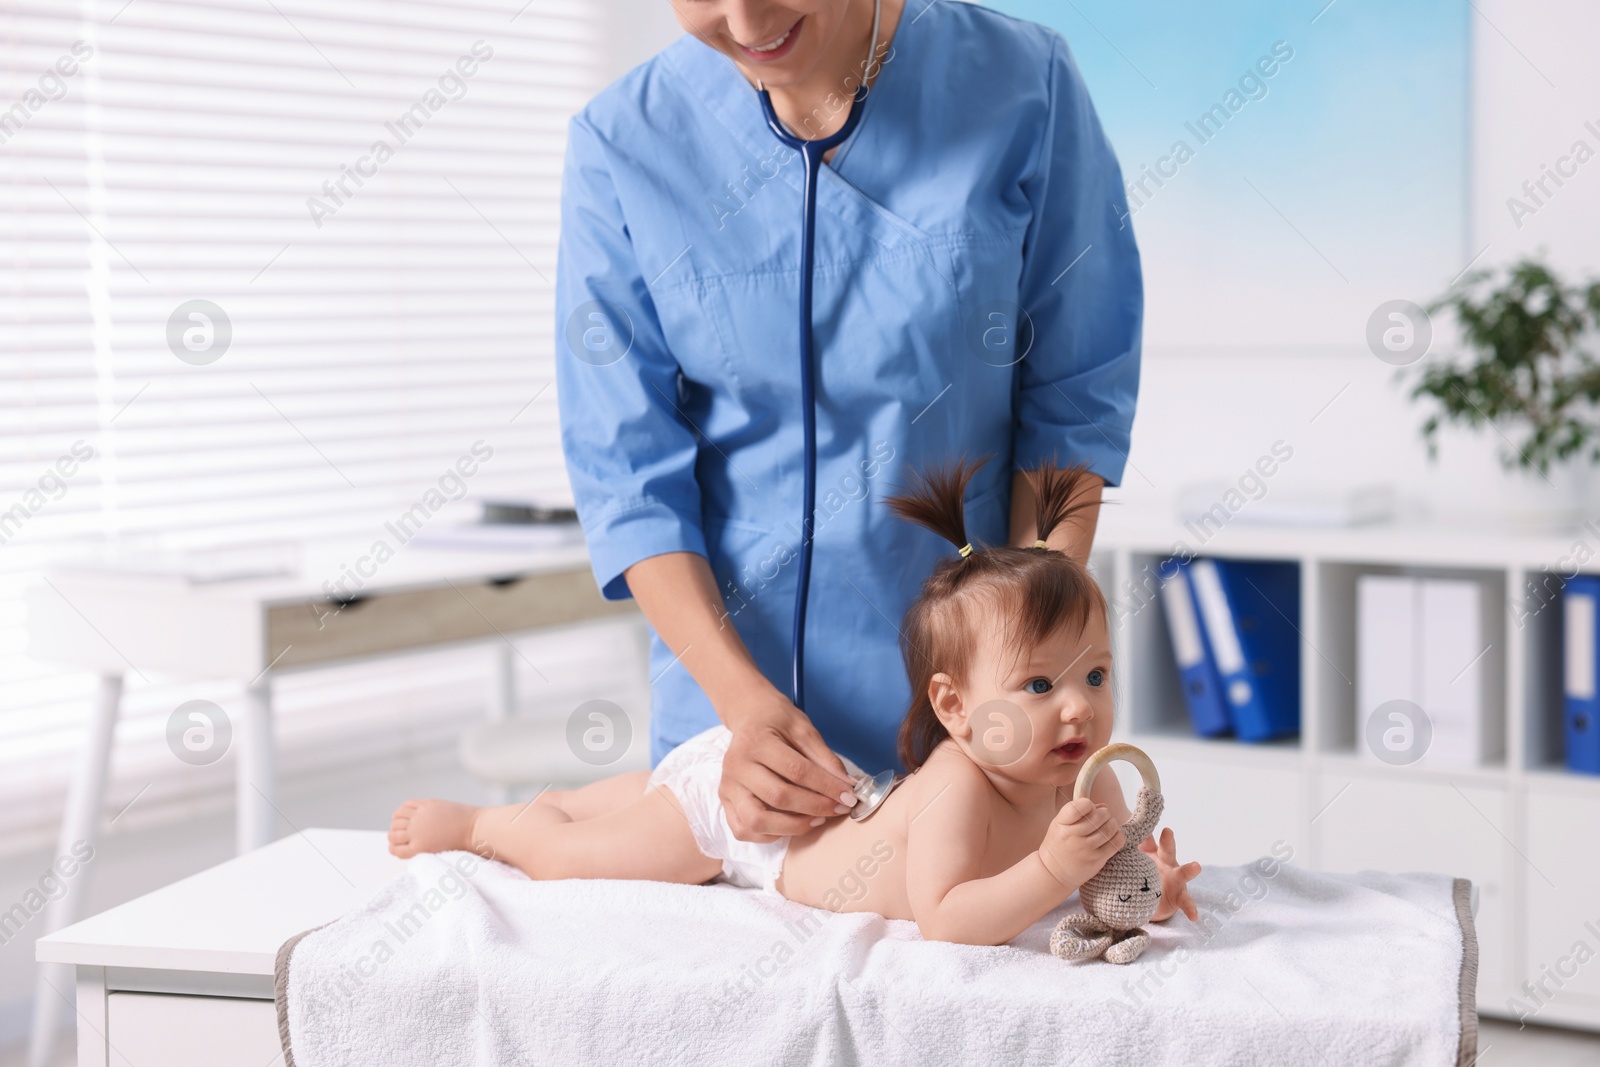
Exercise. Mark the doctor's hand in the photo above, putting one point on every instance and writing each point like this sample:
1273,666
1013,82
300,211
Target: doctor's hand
779,778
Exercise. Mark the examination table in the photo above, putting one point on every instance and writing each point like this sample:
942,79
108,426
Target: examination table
485,965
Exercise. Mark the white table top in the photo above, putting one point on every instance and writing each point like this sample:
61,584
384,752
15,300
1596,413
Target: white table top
411,567
232,918
114,620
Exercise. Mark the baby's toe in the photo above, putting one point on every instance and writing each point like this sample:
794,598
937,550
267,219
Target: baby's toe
400,831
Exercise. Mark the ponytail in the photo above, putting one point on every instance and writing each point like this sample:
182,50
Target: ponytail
1034,590
935,500
1058,495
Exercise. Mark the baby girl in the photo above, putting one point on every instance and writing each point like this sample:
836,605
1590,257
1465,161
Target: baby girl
1010,665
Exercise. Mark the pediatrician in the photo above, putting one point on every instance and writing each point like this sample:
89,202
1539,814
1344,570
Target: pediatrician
977,290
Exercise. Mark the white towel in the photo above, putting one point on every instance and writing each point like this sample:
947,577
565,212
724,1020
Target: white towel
465,961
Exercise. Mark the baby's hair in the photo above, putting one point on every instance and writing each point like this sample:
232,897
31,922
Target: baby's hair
1036,590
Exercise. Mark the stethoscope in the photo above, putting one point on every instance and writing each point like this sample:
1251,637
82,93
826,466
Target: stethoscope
870,791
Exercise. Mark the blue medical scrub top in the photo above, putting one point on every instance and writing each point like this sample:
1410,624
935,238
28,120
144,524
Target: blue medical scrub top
977,290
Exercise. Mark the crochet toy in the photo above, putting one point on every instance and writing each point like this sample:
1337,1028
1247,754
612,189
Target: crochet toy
1123,896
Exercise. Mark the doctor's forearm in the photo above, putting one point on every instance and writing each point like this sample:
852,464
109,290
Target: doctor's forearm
1075,536
678,594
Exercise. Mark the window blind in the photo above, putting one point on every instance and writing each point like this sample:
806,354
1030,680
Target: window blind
270,267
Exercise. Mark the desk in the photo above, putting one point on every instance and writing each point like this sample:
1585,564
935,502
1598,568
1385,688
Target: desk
183,976
337,609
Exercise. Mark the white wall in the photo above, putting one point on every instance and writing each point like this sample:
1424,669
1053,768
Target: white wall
1537,83
1204,417
640,29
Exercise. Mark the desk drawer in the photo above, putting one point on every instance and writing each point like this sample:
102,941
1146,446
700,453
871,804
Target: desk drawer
180,1031
319,630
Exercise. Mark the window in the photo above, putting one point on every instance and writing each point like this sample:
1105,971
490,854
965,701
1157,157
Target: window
269,269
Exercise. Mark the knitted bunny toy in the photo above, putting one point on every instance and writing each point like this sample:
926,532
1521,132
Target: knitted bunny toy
1123,896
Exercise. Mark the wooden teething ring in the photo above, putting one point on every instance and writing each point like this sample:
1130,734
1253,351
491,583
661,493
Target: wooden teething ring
1128,753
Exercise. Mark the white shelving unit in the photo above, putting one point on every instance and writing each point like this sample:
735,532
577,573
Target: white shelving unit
1524,829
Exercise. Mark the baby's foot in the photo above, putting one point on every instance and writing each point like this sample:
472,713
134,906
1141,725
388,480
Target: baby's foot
431,826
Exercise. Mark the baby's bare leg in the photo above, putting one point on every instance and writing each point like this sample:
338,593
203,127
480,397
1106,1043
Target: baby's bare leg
646,838
438,825
597,798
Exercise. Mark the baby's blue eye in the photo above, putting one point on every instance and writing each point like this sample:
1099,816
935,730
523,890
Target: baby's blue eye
1039,685
1097,677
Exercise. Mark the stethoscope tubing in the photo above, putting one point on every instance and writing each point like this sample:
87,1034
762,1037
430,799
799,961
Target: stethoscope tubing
811,153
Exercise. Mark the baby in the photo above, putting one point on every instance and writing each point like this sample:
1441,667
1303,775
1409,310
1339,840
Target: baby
1010,666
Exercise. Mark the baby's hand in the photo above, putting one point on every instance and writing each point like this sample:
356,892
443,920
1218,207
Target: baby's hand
1174,879
1081,838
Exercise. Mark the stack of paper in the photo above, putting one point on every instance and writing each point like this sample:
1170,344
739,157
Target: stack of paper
504,537
507,525
1210,505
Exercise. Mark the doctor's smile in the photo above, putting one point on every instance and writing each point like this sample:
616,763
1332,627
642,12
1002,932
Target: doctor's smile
795,45
777,48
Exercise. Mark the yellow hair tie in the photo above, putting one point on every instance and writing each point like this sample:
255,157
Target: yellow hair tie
1040,544
966,550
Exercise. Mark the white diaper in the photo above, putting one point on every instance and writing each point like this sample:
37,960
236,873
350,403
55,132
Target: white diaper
693,771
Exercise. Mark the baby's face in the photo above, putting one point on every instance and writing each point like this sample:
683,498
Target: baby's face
1036,717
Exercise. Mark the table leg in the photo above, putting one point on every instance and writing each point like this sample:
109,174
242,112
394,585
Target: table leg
80,825
256,784
502,700
641,637
94,1029
503,683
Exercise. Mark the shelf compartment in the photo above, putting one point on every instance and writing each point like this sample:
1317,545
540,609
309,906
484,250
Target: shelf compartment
1153,702
1335,667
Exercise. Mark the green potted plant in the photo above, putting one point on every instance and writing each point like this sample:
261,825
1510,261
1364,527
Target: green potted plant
1530,378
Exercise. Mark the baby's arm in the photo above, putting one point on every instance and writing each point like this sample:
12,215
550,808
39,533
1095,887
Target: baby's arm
1105,790
945,847
1175,878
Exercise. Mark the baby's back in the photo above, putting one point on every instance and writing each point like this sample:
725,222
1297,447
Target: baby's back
845,865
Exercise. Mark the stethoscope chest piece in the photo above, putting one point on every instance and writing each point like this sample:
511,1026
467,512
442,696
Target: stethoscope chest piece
872,792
